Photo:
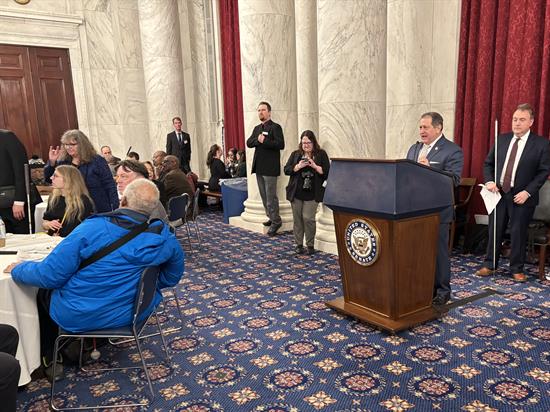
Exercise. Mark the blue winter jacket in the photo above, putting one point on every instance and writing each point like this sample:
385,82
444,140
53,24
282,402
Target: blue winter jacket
99,181
102,294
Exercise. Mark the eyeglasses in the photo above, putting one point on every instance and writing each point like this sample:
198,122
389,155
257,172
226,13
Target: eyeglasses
70,144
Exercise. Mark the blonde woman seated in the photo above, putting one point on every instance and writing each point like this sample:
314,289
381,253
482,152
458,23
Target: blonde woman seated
69,204
308,169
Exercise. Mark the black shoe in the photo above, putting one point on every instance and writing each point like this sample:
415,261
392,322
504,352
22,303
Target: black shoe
299,249
310,250
273,229
267,223
440,300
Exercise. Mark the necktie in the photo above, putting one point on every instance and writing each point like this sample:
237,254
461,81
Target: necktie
423,152
507,180
179,138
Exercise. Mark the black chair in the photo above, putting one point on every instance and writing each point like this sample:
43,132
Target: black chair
538,232
193,218
463,194
178,207
145,294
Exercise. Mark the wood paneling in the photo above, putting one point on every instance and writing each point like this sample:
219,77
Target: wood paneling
36,95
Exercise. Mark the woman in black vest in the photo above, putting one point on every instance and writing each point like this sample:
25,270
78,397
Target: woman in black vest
308,169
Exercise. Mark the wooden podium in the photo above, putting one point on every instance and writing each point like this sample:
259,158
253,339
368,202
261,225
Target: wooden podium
386,214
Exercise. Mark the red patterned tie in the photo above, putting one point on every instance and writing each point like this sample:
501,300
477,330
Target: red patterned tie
507,180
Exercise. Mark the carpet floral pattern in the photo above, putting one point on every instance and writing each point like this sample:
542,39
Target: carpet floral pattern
258,337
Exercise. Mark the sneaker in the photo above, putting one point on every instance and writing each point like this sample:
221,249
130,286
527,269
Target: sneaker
310,250
48,370
299,249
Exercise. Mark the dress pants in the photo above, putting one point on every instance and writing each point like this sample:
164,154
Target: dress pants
9,368
303,213
442,285
12,224
267,186
48,328
518,216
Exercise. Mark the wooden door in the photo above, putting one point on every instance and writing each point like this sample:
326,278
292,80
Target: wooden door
36,95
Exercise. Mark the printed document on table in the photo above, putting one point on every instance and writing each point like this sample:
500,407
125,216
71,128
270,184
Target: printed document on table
490,199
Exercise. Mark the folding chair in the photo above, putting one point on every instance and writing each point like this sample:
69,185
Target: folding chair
177,215
146,290
194,215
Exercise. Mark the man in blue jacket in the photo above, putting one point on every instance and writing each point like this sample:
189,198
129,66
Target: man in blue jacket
102,294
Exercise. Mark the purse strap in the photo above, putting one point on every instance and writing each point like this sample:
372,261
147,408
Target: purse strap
115,245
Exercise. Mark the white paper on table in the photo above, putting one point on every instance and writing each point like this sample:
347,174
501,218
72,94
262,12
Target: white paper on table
490,199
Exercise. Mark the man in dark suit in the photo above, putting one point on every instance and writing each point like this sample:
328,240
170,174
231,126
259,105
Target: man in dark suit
175,181
178,143
522,166
13,158
434,150
268,139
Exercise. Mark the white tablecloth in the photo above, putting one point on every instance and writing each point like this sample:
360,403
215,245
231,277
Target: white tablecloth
18,302
38,213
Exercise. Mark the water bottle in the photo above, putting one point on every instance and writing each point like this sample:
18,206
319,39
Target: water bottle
2,233
2,229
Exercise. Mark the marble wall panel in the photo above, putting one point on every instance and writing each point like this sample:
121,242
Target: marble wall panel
127,4
306,65
257,7
268,61
402,128
353,129
97,5
128,39
409,49
445,50
351,46
137,136
132,96
100,41
106,96
111,135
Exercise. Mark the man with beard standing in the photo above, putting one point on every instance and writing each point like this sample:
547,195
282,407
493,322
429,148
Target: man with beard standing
268,140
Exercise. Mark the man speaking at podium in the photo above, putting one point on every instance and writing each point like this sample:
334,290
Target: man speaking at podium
434,150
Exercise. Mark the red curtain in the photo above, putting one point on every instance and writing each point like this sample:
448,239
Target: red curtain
504,60
231,74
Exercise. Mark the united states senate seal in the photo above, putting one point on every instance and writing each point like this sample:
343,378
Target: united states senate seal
362,241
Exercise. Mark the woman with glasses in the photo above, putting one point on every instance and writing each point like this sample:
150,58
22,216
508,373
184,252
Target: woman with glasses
308,169
77,150
69,204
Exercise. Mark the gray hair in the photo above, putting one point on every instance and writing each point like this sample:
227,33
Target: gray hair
142,196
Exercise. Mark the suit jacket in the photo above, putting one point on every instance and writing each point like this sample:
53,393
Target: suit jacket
13,157
176,184
267,156
532,170
446,156
181,151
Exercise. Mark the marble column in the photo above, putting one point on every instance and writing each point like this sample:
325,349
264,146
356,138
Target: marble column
268,60
162,66
352,87
306,65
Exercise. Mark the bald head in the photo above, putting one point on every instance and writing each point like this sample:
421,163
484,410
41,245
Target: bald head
171,163
140,195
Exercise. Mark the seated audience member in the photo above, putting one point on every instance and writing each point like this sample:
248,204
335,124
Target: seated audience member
193,180
231,162
76,149
158,158
111,160
308,168
217,168
132,156
175,180
129,170
241,164
101,295
150,169
9,367
69,204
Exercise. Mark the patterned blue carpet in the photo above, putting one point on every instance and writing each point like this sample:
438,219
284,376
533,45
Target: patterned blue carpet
258,337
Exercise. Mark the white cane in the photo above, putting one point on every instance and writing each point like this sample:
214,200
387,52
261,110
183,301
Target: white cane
495,209
28,189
